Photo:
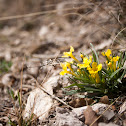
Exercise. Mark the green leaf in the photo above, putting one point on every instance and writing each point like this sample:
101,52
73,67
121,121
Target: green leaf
94,57
91,89
95,53
114,73
70,86
19,100
76,84
81,96
119,80
71,92
11,93
29,121
4,66
124,59
11,123
120,60
124,72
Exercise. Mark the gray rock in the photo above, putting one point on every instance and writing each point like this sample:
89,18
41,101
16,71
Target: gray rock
105,124
122,108
66,118
99,108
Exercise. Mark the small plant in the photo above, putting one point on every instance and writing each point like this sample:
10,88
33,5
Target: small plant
4,66
90,76
19,112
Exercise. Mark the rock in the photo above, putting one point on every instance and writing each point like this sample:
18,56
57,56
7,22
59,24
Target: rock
38,102
7,56
79,111
8,79
51,83
90,116
43,31
17,65
79,102
8,31
99,108
104,99
66,118
105,124
33,66
122,108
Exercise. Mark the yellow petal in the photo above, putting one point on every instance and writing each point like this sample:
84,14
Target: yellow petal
103,53
62,72
115,58
94,65
80,65
81,55
67,64
99,67
66,54
108,53
71,49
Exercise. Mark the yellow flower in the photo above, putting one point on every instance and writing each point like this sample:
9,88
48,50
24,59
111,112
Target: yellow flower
86,62
78,70
95,68
94,71
70,54
65,71
115,59
81,55
107,53
64,67
110,65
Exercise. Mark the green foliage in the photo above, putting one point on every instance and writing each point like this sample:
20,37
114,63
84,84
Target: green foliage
21,121
4,66
90,76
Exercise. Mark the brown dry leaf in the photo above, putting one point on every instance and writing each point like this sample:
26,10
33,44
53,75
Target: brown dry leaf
80,102
104,99
90,116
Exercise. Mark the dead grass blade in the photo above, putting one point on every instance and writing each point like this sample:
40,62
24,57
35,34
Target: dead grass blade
34,14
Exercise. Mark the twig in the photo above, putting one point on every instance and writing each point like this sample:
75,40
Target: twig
54,97
33,14
105,111
118,34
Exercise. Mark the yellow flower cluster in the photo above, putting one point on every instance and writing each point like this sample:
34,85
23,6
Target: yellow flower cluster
88,75
92,70
111,61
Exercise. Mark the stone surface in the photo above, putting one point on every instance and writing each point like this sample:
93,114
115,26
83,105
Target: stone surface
8,79
51,83
99,108
105,124
66,118
38,102
122,108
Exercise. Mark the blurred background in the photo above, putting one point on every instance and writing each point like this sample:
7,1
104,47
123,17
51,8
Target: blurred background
28,27
42,30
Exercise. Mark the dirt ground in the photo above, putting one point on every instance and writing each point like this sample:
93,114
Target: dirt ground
34,35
